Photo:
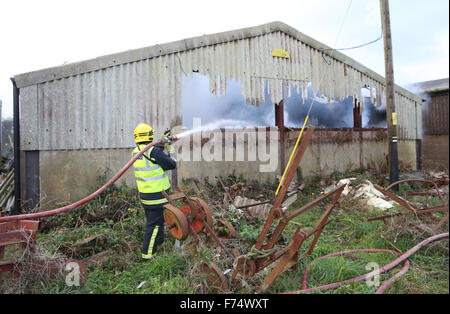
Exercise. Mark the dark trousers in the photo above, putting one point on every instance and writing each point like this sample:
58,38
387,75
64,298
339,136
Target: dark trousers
154,230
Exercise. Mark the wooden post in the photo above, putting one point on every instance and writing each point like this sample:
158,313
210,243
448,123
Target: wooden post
357,115
391,115
279,122
17,182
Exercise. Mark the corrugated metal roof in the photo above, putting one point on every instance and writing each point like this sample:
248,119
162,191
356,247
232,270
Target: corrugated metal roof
97,103
286,36
430,86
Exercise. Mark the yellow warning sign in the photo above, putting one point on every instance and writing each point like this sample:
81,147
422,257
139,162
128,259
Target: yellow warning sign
394,118
281,53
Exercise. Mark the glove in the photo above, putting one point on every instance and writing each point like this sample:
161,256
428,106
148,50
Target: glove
167,133
168,146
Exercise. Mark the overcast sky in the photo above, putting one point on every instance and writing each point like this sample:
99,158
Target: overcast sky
44,33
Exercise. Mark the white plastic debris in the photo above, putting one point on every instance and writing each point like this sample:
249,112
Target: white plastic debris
366,192
347,188
379,203
140,285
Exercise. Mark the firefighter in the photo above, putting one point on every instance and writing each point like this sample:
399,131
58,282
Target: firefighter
152,178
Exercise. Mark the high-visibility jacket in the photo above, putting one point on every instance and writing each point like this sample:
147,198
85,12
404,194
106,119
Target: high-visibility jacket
151,179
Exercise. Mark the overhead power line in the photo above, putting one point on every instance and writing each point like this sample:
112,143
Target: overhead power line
355,47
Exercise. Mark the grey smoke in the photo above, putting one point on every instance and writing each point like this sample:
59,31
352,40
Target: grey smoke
337,114
373,117
198,102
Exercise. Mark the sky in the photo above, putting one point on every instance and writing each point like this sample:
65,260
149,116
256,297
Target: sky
36,35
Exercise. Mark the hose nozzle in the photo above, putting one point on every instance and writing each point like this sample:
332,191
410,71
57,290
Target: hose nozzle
169,139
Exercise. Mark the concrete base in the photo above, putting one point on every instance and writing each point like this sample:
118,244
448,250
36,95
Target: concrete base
435,152
70,175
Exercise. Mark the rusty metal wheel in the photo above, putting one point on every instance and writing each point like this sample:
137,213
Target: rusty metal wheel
204,215
229,232
217,282
247,268
177,222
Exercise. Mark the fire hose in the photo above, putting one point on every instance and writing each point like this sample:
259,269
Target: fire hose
402,258
164,140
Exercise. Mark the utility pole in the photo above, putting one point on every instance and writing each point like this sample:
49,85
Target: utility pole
391,115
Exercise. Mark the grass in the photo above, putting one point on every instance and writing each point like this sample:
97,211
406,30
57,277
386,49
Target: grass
428,272
117,217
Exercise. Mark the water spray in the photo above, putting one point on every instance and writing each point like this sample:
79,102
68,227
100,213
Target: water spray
223,123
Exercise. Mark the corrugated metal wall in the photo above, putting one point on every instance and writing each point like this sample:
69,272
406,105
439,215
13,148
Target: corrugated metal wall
99,109
435,114
409,116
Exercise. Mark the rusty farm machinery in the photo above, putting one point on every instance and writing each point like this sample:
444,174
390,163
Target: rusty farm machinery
189,216
20,236
414,209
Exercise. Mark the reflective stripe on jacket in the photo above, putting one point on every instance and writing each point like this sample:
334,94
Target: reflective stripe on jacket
150,177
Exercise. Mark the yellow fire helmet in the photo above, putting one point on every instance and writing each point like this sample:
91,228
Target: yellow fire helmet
143,133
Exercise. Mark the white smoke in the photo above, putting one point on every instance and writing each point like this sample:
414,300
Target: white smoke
231,110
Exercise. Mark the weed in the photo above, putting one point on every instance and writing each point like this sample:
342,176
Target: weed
114,265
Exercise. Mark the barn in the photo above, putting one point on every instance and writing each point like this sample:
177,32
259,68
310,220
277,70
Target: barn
75,121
